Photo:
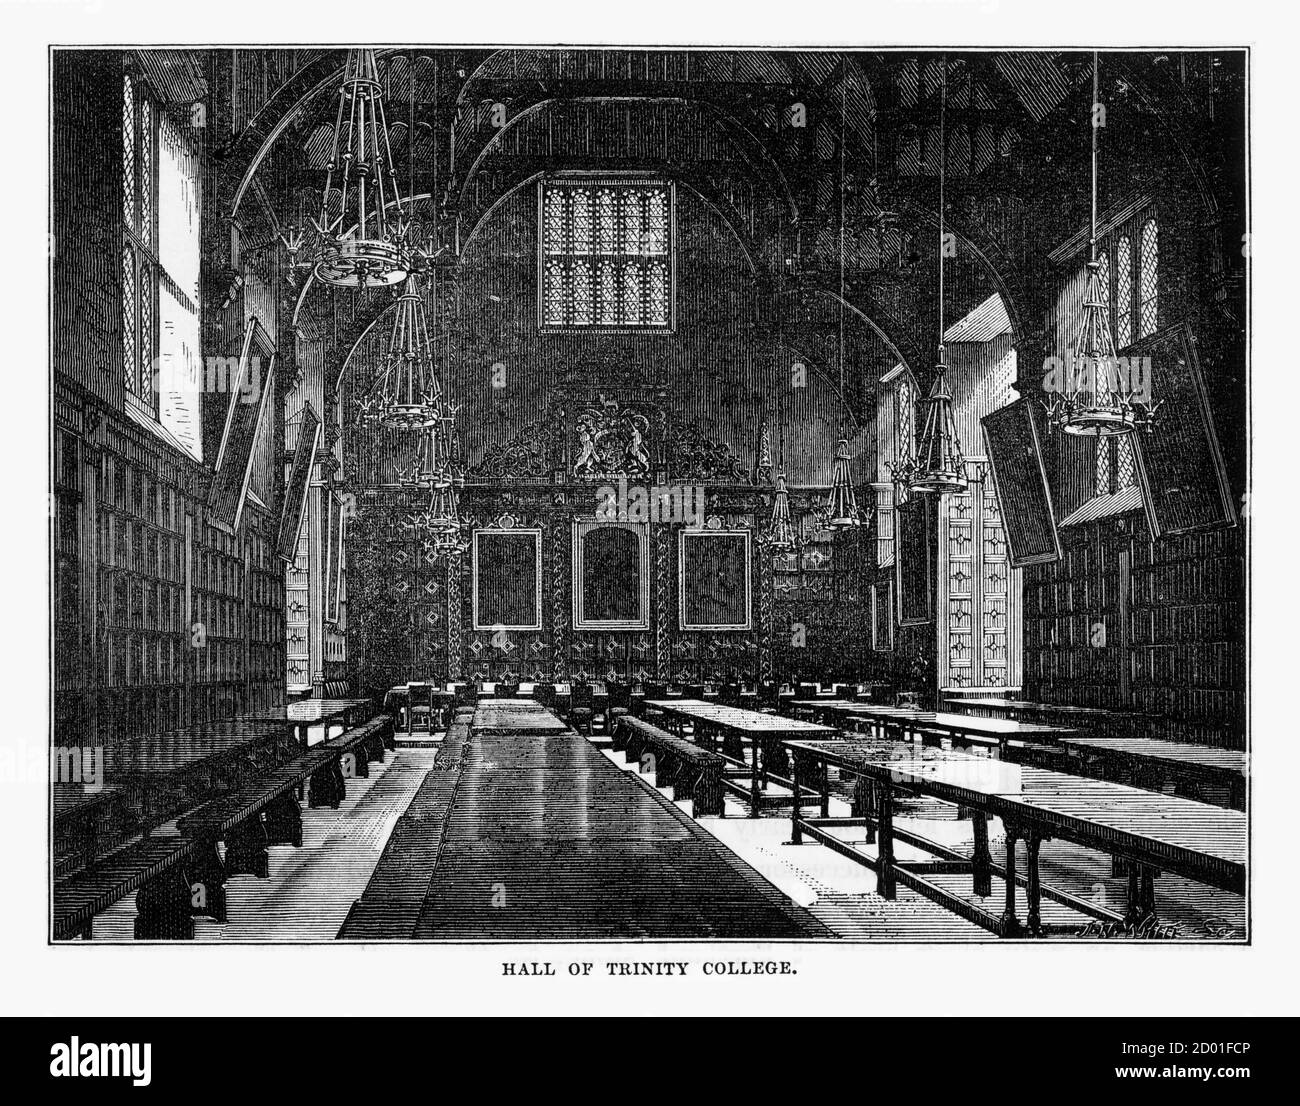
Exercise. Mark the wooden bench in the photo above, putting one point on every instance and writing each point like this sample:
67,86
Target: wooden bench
692,772
151,861
350,755
183,876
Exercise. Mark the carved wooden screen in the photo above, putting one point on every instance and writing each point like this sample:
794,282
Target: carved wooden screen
979,633
714,570
507,579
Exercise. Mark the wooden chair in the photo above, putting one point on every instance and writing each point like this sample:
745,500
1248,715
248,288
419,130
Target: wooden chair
649,691
545,694
420,713
582,707
507,690
618,704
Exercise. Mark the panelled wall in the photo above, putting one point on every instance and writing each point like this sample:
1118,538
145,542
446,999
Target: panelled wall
1122,620
162,619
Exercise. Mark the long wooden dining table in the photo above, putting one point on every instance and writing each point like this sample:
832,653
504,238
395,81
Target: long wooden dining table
735,726
1151,833
907,722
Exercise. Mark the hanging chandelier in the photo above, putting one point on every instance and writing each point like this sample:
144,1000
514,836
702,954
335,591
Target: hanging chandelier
841,509
360,232
439,525
938,467
842,504
1093,400
780,530
407,394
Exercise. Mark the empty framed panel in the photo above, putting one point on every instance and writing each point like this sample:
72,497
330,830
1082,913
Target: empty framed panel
507,579
714,569
295,490
1180,464
914,568
611,576
1012,438
336,524
245,414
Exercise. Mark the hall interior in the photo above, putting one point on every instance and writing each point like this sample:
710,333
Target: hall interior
646,494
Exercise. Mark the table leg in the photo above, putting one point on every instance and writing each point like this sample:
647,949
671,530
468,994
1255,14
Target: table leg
1147,895
1010,927
754,789
1141,896
886,881
982,861
1033,892
826,790
796,834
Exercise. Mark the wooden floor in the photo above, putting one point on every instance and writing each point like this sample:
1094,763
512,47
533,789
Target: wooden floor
542,838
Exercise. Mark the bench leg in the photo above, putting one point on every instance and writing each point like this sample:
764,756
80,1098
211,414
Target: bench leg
163,908
360,761
246,850
327,787
708,799
208,886
284,822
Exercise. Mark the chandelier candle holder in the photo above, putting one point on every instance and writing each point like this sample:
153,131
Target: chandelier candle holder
842,504
1092,401
780,530
938,467
360,241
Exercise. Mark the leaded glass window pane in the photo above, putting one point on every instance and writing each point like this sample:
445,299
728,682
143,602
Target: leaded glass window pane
146,170
128,318
1123,293
128,151
1148,267
146,341
1103,466
607,255
1125,474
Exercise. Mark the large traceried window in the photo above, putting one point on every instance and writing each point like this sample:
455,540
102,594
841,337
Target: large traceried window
162,366
606,255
